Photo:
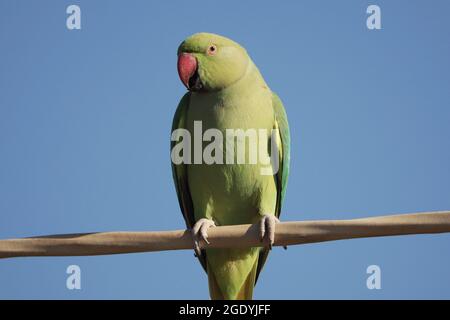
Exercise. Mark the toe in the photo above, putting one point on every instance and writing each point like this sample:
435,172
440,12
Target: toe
262,228
198,251
270,231
204,232
267,229
196,229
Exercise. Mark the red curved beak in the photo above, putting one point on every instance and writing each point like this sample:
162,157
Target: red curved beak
187,65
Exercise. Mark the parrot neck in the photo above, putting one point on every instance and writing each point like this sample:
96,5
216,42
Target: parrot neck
251,79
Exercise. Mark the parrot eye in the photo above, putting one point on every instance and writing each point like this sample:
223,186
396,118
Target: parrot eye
212,50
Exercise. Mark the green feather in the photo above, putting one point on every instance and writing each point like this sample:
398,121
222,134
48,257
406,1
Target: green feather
285,136
179,172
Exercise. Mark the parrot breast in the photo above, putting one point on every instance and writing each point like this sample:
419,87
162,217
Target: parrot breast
232,193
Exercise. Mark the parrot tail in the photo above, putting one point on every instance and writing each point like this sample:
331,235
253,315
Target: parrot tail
245,293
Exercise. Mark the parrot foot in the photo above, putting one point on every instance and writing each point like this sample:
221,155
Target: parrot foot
267,229
200,232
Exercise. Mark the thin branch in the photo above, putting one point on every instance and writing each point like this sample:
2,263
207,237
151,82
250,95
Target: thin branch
287,233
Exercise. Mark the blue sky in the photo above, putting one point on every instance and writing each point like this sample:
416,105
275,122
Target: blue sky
85,120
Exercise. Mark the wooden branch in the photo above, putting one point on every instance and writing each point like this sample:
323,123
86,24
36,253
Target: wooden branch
287,233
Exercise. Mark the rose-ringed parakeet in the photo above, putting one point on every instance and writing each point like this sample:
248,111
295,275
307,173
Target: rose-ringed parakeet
227,91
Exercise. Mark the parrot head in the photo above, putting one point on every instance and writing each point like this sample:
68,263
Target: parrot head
209,62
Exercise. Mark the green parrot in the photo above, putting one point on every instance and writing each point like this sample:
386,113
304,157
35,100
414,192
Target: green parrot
227,91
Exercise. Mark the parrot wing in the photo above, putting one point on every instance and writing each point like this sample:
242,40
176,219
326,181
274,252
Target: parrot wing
281,177
179,173
284,151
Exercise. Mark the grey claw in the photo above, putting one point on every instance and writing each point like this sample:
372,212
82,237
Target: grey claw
197,249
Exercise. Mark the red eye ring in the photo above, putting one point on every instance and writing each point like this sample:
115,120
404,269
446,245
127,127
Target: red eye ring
212,50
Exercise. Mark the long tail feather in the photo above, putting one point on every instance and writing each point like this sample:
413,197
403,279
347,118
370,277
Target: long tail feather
245,293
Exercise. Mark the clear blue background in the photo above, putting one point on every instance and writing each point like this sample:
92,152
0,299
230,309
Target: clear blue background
85,122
